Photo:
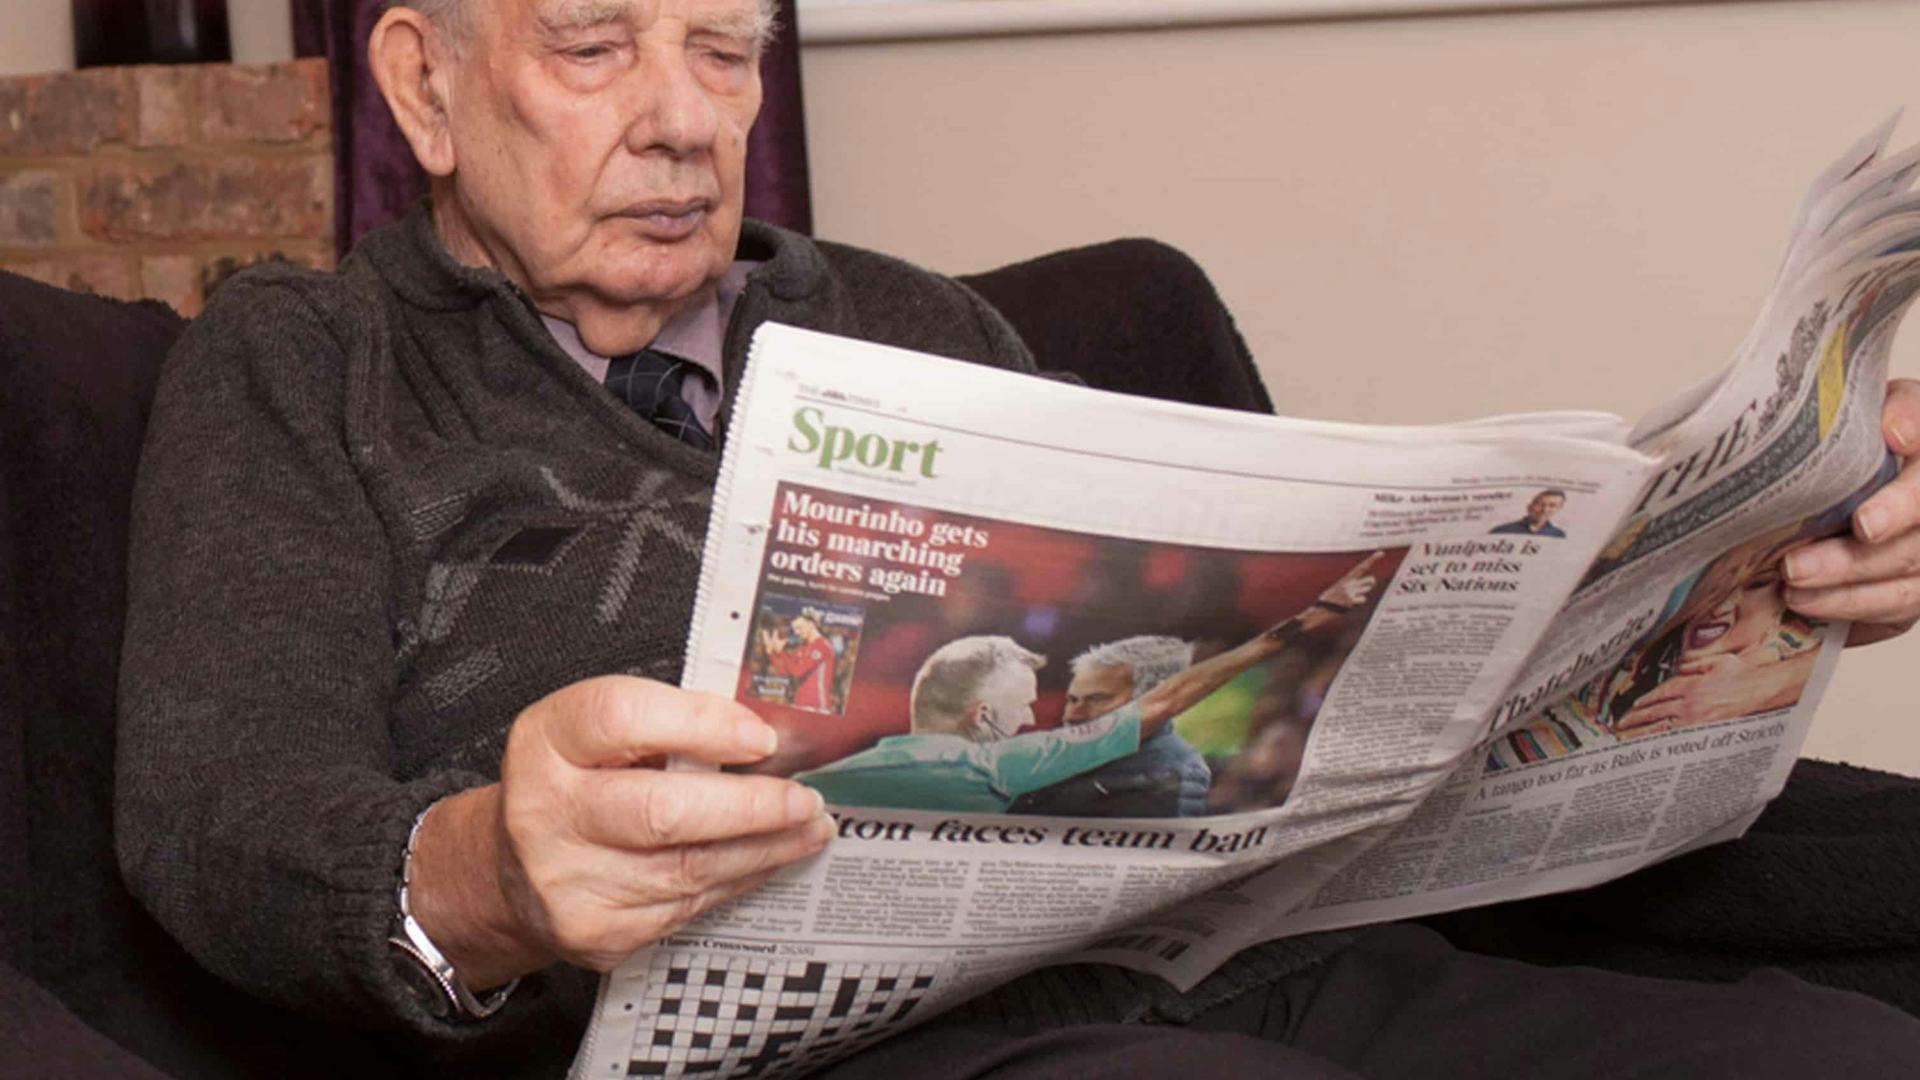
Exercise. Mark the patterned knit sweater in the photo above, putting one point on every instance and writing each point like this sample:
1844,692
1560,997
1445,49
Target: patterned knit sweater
380,512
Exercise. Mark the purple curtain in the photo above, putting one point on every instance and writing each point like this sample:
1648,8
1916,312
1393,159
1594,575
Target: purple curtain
376,179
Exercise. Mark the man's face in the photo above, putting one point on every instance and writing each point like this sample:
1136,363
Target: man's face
600,147
803,628
1543,507
1006,701
1096,690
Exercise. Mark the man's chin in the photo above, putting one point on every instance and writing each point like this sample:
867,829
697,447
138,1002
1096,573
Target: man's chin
653,273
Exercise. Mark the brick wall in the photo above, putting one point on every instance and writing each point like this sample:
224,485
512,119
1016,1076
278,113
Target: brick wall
161,181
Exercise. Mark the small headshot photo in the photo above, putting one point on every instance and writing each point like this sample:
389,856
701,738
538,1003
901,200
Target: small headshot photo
1539,519
802,653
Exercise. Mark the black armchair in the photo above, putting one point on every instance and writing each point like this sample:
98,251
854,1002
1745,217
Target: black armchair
90,985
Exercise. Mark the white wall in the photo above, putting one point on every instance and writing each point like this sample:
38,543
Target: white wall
1413,218
38,37
38,34
262,30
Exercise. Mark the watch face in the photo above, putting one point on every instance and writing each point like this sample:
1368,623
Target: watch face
427,991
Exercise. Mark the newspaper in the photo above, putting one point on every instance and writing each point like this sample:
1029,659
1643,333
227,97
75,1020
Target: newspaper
1088,677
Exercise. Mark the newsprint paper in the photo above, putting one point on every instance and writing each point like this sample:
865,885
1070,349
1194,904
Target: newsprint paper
1092,677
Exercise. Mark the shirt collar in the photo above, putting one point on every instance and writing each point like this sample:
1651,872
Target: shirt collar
697,333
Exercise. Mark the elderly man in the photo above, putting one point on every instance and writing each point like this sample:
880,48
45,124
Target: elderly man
414,555
1166,778
389,521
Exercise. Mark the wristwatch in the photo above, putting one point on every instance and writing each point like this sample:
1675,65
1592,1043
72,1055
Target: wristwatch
422,965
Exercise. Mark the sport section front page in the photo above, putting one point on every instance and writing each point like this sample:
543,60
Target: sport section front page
1087,677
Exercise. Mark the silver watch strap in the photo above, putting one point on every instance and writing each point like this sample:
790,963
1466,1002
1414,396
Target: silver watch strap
413,941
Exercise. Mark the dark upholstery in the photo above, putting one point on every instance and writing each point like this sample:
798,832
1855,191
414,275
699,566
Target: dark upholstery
76,376
1825,885
1134,316
43,1039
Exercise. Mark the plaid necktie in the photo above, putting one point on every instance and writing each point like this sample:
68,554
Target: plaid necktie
649,382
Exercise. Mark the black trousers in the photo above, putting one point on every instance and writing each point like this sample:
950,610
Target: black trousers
1402,1003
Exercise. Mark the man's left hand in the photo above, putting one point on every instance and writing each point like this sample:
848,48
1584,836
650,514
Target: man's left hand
1873,576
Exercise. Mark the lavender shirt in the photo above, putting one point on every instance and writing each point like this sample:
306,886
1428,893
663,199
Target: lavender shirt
697,334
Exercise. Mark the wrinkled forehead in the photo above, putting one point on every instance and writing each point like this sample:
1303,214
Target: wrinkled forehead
747,18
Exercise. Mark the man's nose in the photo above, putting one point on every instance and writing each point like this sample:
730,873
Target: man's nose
675,111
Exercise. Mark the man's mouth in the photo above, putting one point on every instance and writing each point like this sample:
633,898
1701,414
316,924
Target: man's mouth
668,219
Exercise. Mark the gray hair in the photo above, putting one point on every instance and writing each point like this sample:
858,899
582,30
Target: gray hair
947,686
452,16
455,18
1150,659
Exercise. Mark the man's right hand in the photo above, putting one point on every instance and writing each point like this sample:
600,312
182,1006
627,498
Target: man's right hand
588,848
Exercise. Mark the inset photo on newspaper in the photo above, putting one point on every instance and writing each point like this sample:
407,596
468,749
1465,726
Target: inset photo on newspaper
1726,647
1011,668
1538,518
802,652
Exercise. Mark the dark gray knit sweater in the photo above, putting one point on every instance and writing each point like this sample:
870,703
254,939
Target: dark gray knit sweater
379,513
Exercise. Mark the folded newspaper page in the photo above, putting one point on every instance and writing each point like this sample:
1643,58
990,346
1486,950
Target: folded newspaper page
1087,677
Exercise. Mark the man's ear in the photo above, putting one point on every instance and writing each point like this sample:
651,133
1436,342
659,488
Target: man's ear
979,721
410,63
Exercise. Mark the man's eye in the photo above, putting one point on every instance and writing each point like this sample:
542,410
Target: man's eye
729,57
589,53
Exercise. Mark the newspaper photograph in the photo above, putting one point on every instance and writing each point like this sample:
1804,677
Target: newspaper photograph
1089,677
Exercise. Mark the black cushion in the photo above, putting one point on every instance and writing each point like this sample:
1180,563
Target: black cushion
1132,316
77,376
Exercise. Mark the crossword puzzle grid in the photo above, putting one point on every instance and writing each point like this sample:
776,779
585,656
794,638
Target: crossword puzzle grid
739,1016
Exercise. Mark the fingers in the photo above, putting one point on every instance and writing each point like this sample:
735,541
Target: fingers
1873,576
617,720
1895,601
635,809
1893,510
683,873
1891,513
1638,717
594,905
1352,592
1843,560
1365,566
1900,417
1664,694
1356,585
1640,725
604,945
1664,704
620,902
